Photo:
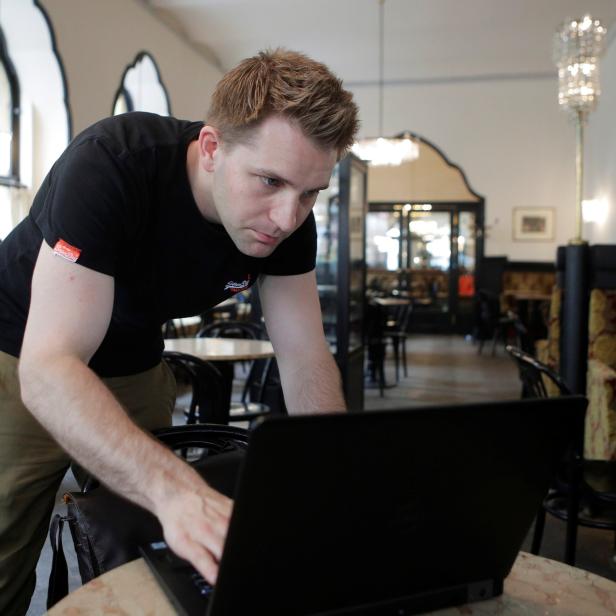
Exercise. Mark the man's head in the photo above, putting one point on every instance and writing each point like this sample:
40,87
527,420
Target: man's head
287,84
277,124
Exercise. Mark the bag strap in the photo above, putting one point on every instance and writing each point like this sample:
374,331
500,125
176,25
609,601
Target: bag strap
58,578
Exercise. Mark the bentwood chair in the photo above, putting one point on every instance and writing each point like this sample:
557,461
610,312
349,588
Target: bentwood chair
397,331
584,493
496,325
207,404
261,372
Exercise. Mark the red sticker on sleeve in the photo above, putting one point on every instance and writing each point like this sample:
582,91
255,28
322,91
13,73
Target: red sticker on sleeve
66,251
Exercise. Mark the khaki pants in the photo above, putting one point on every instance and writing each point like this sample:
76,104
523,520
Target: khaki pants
32,466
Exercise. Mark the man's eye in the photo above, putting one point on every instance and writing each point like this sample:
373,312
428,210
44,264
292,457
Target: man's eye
311,194
271,182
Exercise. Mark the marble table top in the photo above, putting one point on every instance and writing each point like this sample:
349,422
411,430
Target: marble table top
535,586
387,302
221,349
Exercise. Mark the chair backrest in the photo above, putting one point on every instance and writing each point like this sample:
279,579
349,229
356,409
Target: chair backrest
196,442
232,329
532,373
170,330
404,318
487,313
207,403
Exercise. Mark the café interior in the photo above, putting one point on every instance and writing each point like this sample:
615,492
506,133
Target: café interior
480,264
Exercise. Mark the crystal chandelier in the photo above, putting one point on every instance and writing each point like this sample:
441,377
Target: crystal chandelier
578,44
382,151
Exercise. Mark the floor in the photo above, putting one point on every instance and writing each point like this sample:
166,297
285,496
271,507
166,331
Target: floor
441,370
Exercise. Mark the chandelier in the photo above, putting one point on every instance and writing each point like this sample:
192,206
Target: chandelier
578,44
382,151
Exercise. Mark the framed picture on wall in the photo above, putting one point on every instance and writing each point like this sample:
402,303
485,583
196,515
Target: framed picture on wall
533,224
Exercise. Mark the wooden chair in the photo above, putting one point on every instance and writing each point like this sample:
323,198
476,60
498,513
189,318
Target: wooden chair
375,342
396,331
207,404
496,325
584,493
252,404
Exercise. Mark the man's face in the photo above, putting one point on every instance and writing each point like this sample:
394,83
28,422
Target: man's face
263,190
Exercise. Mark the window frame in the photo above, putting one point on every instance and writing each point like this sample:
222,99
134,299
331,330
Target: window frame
13,178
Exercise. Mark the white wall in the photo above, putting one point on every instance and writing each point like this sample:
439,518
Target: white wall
600,159
97,39
515,145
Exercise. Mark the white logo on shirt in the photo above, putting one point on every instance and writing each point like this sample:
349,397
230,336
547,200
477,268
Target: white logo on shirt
236,287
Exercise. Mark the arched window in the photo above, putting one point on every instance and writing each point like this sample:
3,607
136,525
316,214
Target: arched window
142,88
36,89
123,102
9,118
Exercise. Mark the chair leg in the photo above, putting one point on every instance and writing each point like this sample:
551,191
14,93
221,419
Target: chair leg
394,344
379,366
538,532
404,356
571,541
572,527
495,341
573,506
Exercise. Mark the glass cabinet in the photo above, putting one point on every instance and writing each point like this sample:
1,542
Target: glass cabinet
340,215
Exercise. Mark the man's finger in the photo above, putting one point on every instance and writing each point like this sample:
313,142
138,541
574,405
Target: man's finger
203,561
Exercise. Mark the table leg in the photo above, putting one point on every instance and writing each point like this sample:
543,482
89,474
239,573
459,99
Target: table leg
226,369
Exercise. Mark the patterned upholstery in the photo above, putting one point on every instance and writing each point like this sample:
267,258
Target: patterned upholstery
602,326
600,432
538,282
600,439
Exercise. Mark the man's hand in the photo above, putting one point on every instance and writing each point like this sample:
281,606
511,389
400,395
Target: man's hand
195,526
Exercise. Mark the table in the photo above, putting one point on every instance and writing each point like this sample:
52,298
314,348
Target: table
532,308
536,586
225,351
388,302
528,295
221,349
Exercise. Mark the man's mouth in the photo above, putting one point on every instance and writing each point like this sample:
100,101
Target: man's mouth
265,238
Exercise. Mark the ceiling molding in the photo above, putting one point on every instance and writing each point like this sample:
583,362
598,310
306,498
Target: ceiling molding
429,81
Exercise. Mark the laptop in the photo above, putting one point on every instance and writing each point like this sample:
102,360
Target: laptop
379,513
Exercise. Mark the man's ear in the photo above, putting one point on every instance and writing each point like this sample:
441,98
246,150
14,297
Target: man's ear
209,144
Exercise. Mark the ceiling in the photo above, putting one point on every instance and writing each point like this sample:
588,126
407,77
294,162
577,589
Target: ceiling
425,40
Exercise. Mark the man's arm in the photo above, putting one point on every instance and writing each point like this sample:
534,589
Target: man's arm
310,378
69,315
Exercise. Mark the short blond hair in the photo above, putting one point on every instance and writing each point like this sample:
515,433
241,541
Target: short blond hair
290,84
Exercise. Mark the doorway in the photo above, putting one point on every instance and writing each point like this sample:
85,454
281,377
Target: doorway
428,251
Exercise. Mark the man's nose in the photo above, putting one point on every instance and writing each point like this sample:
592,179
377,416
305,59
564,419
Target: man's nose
284,213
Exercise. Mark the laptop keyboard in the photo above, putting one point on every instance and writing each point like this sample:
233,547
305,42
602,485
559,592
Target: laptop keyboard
182,583
205,588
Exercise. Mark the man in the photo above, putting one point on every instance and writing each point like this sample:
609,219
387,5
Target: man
140,220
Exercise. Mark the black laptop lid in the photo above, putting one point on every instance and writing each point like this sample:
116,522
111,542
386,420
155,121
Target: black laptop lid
340,511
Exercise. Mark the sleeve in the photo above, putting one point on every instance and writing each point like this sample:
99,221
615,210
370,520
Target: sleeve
295,255
88,207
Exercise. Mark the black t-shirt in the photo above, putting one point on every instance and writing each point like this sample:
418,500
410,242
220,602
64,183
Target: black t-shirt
120,194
